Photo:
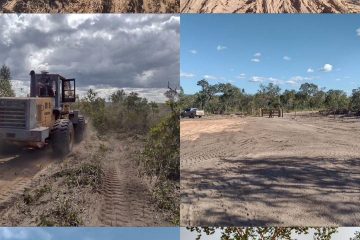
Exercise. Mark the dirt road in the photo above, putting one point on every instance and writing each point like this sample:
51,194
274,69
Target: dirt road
127,199
270,6
90,6
279,171
18,166
35,187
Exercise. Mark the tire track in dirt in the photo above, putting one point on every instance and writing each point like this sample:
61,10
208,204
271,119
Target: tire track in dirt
127,200
270,172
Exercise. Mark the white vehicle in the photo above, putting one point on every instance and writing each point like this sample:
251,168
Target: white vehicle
192,113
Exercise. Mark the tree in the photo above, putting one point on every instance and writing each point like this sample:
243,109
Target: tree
265,233
94,107
288,99
118,96
318,100
336,100
268,96
154,107
307,92
5,84
230,97
206,93
355,100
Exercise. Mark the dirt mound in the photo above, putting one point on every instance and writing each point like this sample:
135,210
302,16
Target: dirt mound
270,6
90,6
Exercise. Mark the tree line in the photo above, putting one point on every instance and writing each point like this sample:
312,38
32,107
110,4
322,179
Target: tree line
226,98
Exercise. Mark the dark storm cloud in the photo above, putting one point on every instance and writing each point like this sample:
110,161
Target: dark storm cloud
117,51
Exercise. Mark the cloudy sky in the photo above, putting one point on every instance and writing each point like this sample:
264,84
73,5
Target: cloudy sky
249,49
106,52
344,233
89,233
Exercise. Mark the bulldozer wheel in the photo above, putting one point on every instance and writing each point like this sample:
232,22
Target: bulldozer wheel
62,137
80,129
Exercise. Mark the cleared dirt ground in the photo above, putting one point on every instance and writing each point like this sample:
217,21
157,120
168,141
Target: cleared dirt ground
96,185
90,6
270,6
280,171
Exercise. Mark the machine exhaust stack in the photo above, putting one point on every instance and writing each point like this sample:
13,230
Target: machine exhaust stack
33,84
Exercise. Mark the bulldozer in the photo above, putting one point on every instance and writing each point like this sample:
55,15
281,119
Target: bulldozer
44,118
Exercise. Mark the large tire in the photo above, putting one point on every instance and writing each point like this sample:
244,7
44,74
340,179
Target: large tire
80,129
62,137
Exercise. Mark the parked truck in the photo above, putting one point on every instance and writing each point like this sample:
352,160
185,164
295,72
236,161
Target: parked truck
192,113
45,117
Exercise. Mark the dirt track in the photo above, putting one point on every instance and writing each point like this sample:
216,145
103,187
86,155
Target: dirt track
270,6
124,199
127,200
18,167
261,171
90,6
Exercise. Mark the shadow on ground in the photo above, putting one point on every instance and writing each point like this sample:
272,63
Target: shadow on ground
280,183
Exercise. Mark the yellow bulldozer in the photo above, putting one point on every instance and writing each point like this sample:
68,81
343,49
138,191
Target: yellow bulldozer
44,118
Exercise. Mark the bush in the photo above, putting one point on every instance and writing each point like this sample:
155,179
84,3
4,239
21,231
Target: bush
161,157
124,112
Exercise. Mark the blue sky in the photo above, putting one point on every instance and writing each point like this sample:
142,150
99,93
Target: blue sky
89,233
249,49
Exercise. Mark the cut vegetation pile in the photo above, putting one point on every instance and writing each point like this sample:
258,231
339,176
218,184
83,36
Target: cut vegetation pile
90,6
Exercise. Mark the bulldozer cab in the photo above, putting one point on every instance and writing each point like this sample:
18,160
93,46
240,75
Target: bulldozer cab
53,85
68,90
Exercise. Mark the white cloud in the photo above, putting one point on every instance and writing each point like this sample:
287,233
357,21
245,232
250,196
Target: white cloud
187,75
75,20
310,70
327,68
130,52
297,78
257,79
358,31
287,58
220,48
21,88
275,80
255,60
210,77
241,76
257,55
291,82
193,51
151,94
